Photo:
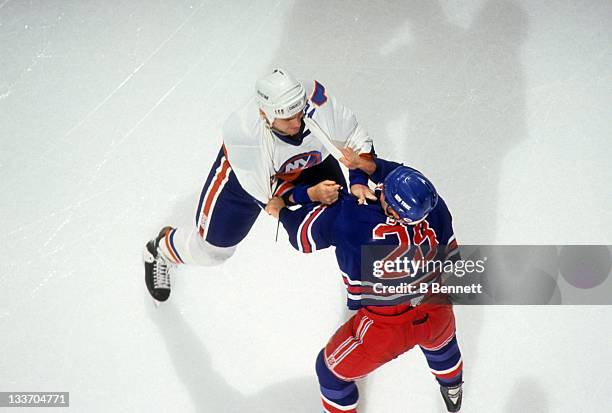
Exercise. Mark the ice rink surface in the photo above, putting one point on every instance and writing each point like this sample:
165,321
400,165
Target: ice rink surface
110,115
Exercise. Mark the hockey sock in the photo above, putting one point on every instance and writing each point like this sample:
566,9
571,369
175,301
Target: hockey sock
445,363
167,247
338,396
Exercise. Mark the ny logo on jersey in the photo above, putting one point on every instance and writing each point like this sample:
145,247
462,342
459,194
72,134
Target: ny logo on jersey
301,161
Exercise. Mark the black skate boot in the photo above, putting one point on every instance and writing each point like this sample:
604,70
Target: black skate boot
452,397
157,269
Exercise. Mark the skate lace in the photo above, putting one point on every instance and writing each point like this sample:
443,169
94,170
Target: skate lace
161,273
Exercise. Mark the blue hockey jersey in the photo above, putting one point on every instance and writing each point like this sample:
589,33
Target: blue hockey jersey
365,239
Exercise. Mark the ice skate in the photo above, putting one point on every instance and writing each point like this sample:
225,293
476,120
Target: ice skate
452,397
157,269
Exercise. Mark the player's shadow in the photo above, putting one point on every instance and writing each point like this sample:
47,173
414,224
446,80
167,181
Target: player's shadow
447,99
209,391
188,352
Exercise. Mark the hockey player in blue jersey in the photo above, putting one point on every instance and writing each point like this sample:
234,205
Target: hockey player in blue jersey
408,218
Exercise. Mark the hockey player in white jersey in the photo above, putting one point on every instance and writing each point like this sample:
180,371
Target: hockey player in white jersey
268,150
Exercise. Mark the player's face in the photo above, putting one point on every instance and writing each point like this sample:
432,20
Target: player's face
289,126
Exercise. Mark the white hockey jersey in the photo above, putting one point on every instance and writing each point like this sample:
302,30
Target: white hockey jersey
259,158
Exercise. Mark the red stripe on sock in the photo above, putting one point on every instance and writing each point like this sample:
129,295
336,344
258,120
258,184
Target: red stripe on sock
332,409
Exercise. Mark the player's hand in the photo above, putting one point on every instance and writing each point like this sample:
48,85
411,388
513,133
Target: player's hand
325,192
362,193
350,158
274,206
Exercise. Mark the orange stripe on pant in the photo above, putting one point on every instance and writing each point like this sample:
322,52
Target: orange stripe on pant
221,176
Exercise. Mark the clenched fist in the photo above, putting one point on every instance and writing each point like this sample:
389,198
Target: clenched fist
325,192
274,206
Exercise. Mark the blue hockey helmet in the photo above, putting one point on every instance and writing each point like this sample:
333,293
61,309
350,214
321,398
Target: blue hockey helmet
410,194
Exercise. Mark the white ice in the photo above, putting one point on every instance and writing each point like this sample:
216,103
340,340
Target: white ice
109,121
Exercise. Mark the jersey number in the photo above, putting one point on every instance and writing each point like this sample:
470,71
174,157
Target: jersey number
421,233
400,232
